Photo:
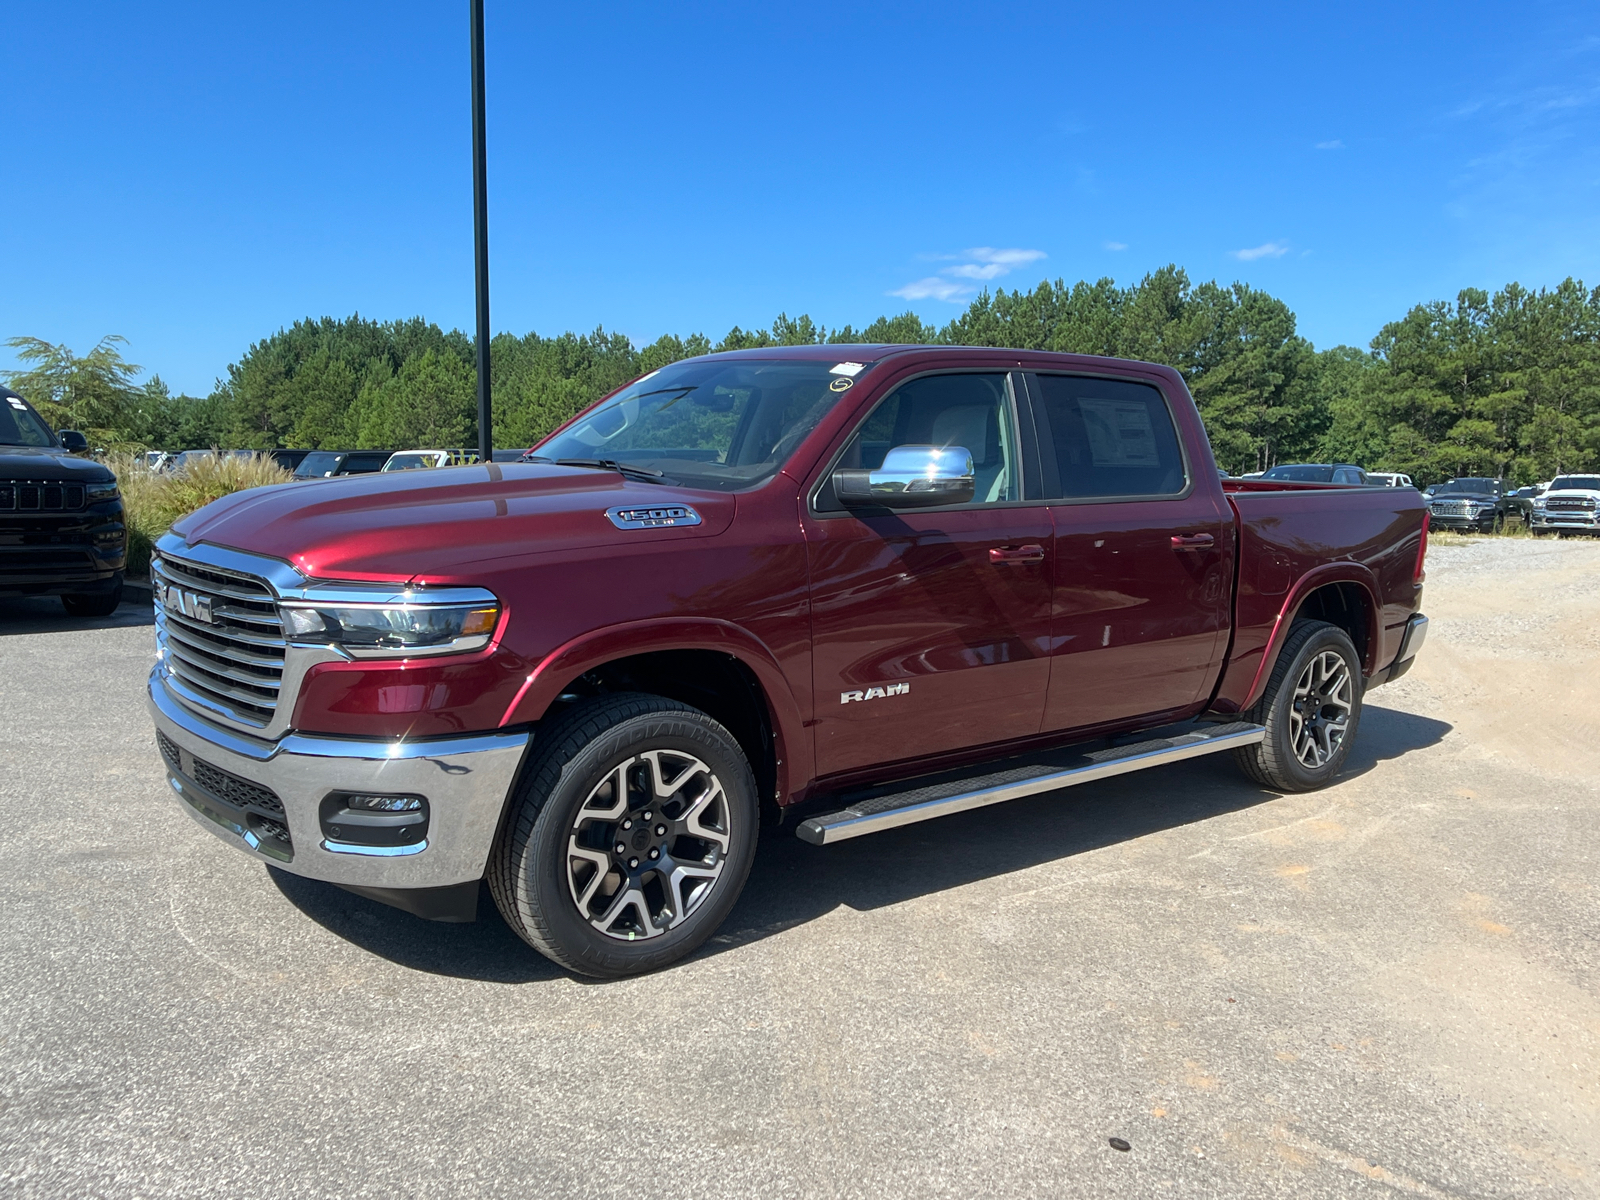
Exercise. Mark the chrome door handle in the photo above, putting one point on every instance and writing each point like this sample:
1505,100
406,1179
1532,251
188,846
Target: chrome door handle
1193,541
1031,553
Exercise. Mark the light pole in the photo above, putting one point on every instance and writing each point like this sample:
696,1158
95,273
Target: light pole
480,231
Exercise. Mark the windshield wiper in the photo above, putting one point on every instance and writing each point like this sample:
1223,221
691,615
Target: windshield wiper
626,470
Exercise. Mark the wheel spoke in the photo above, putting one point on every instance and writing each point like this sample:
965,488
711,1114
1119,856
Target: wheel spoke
602,864
628,897
682,873
693,821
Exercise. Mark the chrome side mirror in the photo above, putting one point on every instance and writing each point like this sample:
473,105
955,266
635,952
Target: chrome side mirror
911,477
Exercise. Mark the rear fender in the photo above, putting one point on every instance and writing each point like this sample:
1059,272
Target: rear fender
1318,577
599,647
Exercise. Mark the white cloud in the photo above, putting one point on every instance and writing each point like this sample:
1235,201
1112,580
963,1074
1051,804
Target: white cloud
1336,144
983,263
1116,245
932,288
1265,250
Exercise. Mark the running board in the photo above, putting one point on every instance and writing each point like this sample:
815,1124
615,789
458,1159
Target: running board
942,799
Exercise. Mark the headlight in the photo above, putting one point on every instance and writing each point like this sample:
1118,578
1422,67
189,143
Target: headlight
393,629
95,493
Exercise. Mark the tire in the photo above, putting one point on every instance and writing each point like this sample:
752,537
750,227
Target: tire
94,604
590,893
1293,758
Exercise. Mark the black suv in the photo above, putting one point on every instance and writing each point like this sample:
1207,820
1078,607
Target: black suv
61,525
1473,503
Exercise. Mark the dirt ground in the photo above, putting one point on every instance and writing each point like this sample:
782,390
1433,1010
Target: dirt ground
1388,987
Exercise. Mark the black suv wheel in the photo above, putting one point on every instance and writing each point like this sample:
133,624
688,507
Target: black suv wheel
1311,710
630,837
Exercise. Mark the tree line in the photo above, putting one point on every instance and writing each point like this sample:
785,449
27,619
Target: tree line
1504,385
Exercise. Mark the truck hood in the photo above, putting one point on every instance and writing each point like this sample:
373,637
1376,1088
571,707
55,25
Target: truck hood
431,524
49,462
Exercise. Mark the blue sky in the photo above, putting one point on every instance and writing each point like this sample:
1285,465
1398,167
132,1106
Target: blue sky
195,176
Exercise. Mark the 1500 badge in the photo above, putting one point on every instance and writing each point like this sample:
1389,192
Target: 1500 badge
874,693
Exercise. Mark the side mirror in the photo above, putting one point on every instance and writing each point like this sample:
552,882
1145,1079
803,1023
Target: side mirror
72,441
911,477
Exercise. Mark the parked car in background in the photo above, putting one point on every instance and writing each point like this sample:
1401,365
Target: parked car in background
1344,473
1568,506
1389,479
325,464
289,460
413,460
1521,501
61,522
1472,504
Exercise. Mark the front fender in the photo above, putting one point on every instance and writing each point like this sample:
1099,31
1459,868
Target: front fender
598,647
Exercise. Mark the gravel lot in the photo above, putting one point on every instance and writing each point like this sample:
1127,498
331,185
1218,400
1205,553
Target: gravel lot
1389,986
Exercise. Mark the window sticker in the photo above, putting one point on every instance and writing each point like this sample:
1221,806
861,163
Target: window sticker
841,385
15,403
1120,433
847,368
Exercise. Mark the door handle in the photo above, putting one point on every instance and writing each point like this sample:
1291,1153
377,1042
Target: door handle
1193,541
1031,553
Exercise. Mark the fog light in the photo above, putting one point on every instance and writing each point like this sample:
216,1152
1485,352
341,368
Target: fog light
366,823
385,803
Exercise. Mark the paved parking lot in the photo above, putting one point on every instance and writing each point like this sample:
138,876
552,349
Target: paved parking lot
1390,986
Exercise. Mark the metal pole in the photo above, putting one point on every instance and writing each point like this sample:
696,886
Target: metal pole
480,231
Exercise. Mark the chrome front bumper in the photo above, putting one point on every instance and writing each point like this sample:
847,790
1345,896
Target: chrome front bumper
466,781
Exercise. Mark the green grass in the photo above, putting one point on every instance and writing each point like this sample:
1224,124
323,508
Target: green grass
154,501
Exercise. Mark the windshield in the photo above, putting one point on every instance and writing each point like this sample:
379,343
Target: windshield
725,425
410,462
19,426
1307,474
1458,486
1576,483
315,466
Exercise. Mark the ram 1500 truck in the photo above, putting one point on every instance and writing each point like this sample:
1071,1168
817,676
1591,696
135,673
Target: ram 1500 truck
844,588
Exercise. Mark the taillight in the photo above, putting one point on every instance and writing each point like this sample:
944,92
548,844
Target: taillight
1422,548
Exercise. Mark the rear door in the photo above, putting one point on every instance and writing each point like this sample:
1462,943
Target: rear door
931,627
1143,553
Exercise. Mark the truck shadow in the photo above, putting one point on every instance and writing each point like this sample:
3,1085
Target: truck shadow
793,882
44,614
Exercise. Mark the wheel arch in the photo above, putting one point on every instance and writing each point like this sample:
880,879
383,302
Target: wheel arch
715,666
1342,594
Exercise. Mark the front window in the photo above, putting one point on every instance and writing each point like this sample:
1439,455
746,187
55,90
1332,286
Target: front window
410,462
318,466
1576,483
720,424
21,426
1469,487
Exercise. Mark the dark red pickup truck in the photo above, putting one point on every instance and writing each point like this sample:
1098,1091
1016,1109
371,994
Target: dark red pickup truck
847,587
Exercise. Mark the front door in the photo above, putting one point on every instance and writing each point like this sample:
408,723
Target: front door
931,627
1143,555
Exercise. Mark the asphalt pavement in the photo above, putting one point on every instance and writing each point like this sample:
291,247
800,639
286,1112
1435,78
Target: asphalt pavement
1392,986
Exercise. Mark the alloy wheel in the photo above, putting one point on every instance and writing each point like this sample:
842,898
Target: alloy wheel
1319,713
648,844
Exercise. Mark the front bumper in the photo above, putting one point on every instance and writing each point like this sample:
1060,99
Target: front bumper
466,781
1579,519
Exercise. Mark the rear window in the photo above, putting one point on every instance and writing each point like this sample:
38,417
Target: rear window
1301,474
1107,438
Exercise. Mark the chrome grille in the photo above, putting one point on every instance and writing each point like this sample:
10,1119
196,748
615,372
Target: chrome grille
39,495
1570,505
221,638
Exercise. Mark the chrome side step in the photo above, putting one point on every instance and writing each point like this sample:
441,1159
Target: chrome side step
942,799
